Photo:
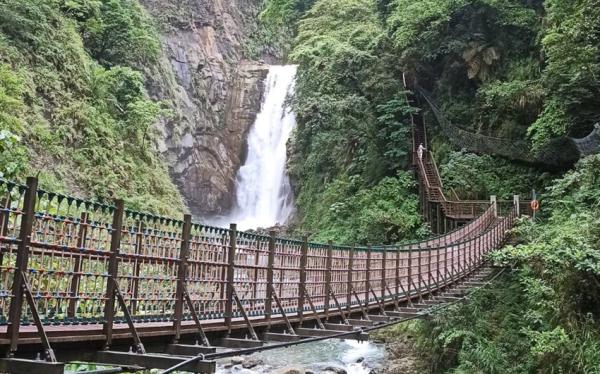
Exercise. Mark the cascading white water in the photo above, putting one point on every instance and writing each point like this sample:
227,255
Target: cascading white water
264,196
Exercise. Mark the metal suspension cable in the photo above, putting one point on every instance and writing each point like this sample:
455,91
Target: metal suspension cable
516,149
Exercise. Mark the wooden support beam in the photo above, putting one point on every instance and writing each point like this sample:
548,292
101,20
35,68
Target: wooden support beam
302,284
349,286
48,351
135,282
245,315
230,277
111,283
383,283
290,329
153,361
200,330
361,322
361,336
81,243
368,275
338,306
21,263
270,275
184,250
328,289
139,347
398,280
21,366
189,350
275,337
338,327
314,310
241,343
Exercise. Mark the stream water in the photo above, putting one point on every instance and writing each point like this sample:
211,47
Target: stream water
351,356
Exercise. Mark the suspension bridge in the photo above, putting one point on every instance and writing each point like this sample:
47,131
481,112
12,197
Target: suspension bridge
96,282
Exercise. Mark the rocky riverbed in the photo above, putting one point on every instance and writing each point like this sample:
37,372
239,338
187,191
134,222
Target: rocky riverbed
327,357
389,351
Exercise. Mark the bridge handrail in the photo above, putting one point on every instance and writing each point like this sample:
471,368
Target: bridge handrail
71,247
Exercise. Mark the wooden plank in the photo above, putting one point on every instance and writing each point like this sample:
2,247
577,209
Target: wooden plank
402,314
153,361
241,343
189,350
410,309
360,322
275,337
20,366
321,333
338,327
378,318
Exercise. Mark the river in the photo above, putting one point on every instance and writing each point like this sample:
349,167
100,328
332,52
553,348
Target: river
351,356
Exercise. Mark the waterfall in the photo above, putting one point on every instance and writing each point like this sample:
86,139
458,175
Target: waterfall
263,193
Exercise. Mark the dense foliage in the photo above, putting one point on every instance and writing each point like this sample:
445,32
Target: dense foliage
543,315
73,107
506,68
478,177
276,28
515,69
353,129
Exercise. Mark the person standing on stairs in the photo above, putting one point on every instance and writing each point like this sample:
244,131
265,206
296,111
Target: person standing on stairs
420,151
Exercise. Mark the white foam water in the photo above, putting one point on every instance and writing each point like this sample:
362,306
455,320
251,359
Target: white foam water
316,357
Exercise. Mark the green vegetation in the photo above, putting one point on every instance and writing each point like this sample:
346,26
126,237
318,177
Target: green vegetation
479,176
353,134
73,107
522,70
276,28
541,314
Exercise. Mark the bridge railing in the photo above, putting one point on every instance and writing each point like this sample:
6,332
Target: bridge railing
76,255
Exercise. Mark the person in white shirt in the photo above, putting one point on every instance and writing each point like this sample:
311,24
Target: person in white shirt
420,151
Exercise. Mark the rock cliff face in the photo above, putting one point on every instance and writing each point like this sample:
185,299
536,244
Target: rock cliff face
214,94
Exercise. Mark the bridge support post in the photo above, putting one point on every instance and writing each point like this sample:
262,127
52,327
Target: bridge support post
349,279
111,281
74,290
409,275
397,275
438,218
419,267
302,285
270,264
368,275
328,289
494,201
447,269
135,282
516,201
181,275
383,275
230,277
16,303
